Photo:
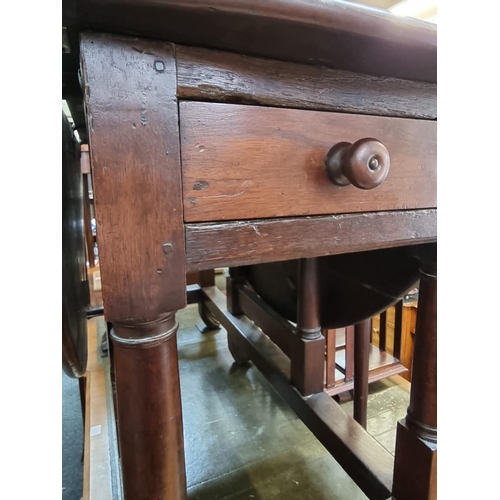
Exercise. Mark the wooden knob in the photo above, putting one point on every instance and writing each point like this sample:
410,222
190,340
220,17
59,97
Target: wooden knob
364,164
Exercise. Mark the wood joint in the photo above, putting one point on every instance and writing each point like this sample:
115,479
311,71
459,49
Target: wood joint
144,334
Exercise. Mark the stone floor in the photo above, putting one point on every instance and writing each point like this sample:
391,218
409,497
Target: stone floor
72,440
244,442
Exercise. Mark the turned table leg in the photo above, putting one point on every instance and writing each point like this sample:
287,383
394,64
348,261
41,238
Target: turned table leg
415,466
149,410
308,345
132,115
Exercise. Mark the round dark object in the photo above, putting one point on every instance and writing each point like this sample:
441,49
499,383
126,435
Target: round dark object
237,352
207,317
364,164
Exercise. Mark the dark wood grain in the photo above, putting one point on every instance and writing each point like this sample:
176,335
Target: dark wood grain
308,301
349,353
383,331
208,75
275,157
207,277
308,364
251,242
193,294
235,279
415,466
422,412
398,325
337,34
250,162
149,410
308,345
278,329
342,431
361,456
133,128
361,369
134,146
353,286
408,335
364,164
331,348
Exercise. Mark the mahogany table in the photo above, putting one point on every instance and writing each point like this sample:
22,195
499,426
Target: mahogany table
225,134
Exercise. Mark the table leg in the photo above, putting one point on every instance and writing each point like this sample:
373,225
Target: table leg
132,114
149,410
415,467
308,345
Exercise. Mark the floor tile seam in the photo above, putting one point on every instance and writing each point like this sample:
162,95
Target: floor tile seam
286,450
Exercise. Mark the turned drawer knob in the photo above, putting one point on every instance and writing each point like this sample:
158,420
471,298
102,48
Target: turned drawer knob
364,164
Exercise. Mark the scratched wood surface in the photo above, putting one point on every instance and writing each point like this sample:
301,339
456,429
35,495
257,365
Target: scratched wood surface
238,243
209,75
251,162
332,33
134,147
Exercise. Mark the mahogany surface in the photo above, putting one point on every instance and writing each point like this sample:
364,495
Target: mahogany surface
398,328
327,33
415,467
361,359
252,162
239,243
155,162
133,132
364,164
209,75
149,411
349,361
422,412
266,318
308,345
353,286
383,330
136,170
339,343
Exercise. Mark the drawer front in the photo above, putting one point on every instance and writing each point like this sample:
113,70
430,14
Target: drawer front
252,162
